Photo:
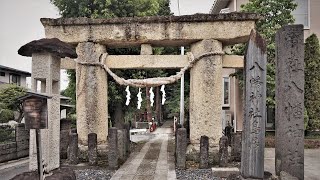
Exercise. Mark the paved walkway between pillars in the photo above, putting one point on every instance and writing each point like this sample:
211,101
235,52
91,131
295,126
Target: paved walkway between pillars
155,161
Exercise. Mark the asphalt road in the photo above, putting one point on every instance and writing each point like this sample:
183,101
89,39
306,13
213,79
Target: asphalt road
10,169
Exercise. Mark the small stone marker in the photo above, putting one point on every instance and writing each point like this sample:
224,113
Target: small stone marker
223,151
127,137
181,148
252,158
113,148
92,149
236,146
65,127
289,118
204,152
121,145
73,149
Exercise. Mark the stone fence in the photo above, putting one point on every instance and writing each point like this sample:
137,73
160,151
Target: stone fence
17,149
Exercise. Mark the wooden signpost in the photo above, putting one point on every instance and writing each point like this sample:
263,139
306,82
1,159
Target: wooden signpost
36,117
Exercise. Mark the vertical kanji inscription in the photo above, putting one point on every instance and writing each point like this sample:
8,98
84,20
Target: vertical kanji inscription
252,161
290,101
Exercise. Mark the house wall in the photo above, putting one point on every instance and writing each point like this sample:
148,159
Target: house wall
314,19
5,78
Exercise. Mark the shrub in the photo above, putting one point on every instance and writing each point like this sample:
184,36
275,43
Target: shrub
6,115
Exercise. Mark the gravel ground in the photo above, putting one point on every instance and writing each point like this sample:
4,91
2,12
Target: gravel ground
94,174
195,174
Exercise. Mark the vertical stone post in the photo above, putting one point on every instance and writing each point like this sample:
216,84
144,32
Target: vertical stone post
289,144
92,97
181,148
206,93
46,69
127,138
223,151
113,148
204,152
73,157
236,146
121,145
65,128
92,149
253,135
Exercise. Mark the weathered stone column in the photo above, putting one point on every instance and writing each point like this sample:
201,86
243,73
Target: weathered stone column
113,154
126,127
92,149
236,146
289,144
65,129
73,157
181,147
253,135
206,93
204,152
92,98
121,145
223,151
46,55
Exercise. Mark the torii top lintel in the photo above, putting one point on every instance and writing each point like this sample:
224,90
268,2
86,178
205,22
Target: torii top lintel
228,28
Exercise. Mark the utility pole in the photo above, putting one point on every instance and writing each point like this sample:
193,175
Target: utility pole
182,94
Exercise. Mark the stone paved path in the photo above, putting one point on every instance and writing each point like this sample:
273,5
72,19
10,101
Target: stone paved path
155,161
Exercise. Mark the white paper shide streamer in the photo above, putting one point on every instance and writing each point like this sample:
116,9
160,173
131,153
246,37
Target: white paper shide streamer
151,96
163,94
128,96
139,98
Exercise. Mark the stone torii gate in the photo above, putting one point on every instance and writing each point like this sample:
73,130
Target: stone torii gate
203,32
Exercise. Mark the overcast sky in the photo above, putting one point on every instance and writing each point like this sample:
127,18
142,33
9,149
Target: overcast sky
20,24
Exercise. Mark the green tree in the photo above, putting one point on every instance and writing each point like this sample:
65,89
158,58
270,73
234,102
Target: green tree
312,80
9,103
275,14
107,9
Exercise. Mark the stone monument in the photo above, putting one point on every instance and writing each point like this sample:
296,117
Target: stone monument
253,135
289,144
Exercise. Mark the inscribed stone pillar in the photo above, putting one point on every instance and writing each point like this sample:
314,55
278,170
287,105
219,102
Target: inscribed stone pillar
46,69
253,135
289,144
92,99
206,93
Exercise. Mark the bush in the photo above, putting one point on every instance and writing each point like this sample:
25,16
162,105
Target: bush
6,115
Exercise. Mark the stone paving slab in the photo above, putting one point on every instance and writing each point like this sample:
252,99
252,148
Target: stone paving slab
153,162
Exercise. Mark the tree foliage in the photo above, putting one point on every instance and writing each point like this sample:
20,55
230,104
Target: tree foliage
9,103
312,80
111,8
275,14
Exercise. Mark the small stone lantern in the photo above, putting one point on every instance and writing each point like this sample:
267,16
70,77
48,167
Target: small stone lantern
35,110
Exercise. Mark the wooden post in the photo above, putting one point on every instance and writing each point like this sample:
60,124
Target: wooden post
39,154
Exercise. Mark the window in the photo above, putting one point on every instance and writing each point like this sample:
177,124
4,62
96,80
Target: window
226,92
301,14
14,79
2,74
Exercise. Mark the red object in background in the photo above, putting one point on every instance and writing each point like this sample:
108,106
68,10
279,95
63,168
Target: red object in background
153,127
